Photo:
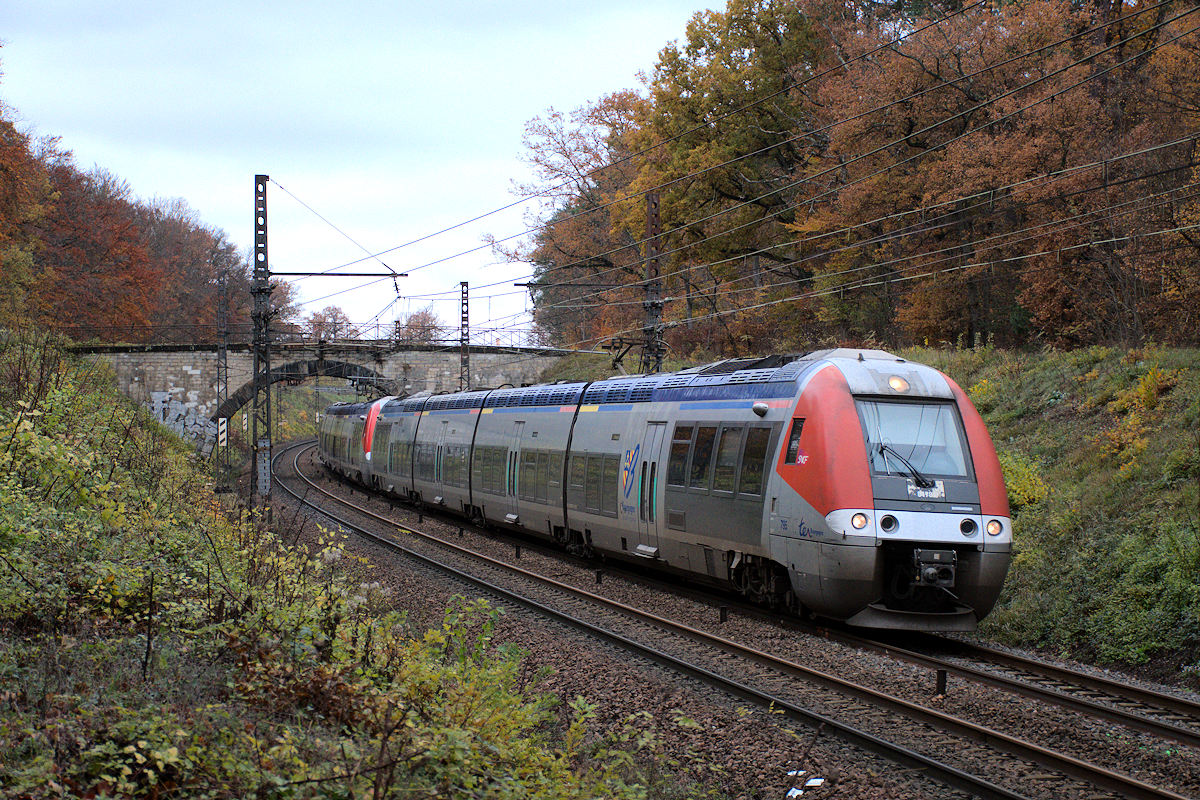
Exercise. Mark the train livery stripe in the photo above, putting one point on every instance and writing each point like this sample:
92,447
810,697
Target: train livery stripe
702,405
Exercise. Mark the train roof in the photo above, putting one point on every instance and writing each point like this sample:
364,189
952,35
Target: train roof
346,409
735,378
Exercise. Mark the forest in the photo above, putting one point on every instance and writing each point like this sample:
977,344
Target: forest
1019,173
83,256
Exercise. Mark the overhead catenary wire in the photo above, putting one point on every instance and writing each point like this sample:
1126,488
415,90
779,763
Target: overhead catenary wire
1091,77
651,148
879,282
932,149
697,173
887,238
1111,47
1030,233
347,236
942,145
982,196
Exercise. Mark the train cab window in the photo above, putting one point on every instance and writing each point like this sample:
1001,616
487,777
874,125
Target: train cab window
681,444
725,473
793,445
702,457
754,459
905,437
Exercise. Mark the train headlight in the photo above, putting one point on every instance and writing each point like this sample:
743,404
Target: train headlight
898,384
859,521
995,527
968,527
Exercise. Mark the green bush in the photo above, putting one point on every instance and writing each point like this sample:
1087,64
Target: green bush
154,644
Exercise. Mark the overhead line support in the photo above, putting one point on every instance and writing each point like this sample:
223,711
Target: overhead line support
260,419
464,343
653,346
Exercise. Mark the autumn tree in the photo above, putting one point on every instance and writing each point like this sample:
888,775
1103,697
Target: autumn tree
25,194
421,326
582,174
858,171
92,268
330,322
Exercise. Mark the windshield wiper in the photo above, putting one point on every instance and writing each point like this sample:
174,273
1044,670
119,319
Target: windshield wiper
917,476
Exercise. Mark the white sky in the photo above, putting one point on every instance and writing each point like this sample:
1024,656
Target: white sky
392,120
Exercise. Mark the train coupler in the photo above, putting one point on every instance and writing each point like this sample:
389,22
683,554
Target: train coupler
934,567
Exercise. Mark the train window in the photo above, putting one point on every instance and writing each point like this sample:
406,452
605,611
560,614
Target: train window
595,482
576,479
793,446
543,463
578,470
528,477
754,459
477,468
681,444
702,456
725,474
608,497
554,476
493,469
426,462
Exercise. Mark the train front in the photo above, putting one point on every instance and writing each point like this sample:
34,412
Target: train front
897,514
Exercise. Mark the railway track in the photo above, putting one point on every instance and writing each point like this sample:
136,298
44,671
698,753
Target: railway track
957,752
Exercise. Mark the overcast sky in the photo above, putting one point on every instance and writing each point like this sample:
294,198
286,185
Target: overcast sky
391,120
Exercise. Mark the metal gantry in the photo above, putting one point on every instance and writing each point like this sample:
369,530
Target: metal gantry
260,420
464,344
653,346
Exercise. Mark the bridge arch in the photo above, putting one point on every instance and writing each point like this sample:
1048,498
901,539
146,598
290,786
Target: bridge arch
310,368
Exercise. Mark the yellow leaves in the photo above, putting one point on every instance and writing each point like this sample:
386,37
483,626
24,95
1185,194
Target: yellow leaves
1022,479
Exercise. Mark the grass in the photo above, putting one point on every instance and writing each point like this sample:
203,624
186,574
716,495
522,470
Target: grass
1102,459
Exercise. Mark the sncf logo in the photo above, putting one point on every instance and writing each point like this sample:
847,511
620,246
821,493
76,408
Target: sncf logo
629,468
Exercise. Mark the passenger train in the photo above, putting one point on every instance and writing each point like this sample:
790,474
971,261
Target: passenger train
850,484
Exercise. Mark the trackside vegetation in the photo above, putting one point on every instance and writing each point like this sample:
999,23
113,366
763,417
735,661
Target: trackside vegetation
1101,453
153,646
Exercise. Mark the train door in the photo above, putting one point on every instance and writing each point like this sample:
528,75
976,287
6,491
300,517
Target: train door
510,470
649,497
438,457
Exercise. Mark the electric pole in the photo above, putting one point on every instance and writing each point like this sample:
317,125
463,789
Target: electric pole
652,328
222,380
464,344
260,420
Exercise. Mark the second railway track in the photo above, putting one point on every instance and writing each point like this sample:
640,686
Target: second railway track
958,752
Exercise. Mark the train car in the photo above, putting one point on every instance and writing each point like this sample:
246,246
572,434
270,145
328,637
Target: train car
852,484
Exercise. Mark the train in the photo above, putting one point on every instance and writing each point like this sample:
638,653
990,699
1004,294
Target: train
850,484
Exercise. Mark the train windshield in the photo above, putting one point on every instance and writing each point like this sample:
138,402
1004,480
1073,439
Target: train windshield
914,439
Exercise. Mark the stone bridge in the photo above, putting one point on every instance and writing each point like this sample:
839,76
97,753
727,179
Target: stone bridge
178,383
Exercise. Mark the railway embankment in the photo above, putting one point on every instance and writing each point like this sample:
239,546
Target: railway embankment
1101,453
154,644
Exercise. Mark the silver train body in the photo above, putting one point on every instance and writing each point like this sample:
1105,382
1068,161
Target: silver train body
847,483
